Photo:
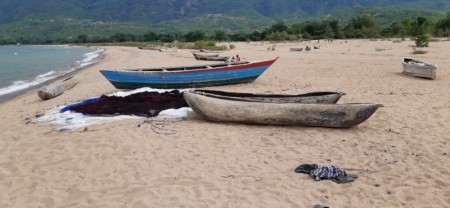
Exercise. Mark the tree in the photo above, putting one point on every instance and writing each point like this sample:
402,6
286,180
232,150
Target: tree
279,27
364,26
150,36
195,35
318,30
420,26
422,40
238,36
278,36
255,36
443,26
83,38
122,37
401,28
220,35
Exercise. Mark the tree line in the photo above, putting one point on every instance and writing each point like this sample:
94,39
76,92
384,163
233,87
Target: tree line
365,26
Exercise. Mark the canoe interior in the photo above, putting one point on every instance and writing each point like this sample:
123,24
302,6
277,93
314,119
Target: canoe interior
313,97
187,68
241,94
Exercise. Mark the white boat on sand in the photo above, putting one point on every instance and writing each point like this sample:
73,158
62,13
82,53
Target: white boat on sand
418,68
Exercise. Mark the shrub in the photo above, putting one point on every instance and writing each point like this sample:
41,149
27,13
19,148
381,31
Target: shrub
422,40
415,51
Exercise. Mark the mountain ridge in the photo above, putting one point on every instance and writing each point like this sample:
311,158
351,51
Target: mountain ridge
65,19
154,11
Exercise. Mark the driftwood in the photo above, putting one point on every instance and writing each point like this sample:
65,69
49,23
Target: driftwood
57,88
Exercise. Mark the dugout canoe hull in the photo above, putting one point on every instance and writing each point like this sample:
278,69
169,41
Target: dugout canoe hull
313,97
57,88
292,114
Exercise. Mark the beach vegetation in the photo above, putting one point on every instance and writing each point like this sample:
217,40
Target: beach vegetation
364,26
418,51
207,45
220,35
196,35
442,28
422,40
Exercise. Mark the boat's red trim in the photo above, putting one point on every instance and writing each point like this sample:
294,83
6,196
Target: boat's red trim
233,67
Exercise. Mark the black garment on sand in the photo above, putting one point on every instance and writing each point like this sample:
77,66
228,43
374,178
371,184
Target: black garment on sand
332,172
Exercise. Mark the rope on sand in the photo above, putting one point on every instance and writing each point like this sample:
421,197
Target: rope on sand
158,126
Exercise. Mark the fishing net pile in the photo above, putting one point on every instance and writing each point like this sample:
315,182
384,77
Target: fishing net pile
147,104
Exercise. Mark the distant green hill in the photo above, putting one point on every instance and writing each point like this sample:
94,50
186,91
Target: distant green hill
64,19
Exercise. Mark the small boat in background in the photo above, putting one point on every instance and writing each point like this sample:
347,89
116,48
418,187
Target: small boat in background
57,88
296,49
168,50
418,68
188,76
224,109
200,56
312,97
213,58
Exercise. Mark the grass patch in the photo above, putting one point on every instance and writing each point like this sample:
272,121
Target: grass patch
207,45
415,51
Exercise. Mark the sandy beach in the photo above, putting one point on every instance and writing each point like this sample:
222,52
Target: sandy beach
401,154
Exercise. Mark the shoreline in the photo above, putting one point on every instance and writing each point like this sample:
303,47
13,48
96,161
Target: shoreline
9,96
400,154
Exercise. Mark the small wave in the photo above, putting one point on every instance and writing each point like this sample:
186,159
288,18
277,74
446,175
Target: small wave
46,74
21,84
90,58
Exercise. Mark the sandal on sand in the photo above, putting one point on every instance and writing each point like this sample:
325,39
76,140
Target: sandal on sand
320,206
345,178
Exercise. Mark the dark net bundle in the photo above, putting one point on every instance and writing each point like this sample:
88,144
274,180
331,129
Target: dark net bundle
147,104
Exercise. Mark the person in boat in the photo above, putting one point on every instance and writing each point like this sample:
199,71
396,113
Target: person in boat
237,59
232,59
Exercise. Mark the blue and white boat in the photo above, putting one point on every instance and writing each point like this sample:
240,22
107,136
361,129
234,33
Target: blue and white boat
188,76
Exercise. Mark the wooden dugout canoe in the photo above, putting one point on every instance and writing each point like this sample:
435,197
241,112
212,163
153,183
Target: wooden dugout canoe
199,56
318,115
313,97
57,89
213,58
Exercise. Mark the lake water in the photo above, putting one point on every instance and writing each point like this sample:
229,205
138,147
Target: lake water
25,67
